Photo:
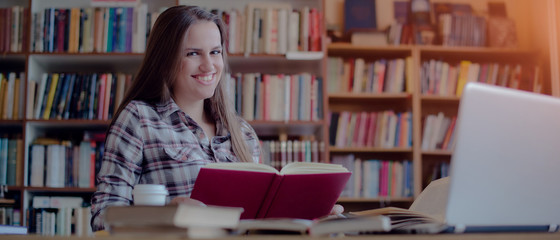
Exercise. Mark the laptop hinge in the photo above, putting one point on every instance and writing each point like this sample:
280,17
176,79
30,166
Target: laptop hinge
460,228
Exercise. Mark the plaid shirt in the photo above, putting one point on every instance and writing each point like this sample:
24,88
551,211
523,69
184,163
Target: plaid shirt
162,145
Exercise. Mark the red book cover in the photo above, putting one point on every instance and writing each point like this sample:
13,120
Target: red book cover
370,142
61,25
314,30
267,193
383,180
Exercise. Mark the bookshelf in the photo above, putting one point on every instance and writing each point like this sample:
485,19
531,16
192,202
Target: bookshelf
87,57
410,99
423,103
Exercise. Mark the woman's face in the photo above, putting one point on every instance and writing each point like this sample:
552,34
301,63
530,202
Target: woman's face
201,63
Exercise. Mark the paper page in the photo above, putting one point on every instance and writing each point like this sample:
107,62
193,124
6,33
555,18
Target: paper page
305,167
243,166
433,200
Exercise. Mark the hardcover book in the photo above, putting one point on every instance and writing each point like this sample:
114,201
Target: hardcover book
171,220
326,226
359,15
300,190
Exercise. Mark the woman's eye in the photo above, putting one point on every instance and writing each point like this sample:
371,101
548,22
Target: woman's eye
216,52
192,54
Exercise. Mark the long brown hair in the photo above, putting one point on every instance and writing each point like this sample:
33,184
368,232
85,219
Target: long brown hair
161,66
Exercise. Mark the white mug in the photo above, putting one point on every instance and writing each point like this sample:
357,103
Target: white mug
149,194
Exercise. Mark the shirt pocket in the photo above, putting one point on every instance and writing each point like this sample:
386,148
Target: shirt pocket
185,154
177,153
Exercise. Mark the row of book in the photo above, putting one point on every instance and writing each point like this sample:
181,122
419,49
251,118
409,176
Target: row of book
376,178
115,29
437,171
279,153
462,30
438,132
56,163
384,129
11,156
12,23
59,216
447,79
10,216
278,97
448,24
12,94
76,95
355,75
273,28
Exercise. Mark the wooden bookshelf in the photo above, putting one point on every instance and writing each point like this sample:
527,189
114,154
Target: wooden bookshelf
423,104
369,150
34,63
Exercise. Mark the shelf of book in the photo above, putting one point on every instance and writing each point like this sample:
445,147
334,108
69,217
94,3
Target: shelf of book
11,123
76,123
35,61
374,199
13,56
368,96
353,50
292,128
439,152
81,56
370,149
420,96
435,99
474,53
60,190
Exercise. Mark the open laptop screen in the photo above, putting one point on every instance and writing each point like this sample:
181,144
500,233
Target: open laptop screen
505,168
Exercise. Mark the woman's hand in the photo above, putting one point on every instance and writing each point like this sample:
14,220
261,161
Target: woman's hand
337,210
186,200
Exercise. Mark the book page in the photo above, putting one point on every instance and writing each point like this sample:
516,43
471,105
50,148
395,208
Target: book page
433,200
243,166
282,224
307,167
405,220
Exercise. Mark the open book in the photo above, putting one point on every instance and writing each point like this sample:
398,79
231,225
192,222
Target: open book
319,227
425,215
299,190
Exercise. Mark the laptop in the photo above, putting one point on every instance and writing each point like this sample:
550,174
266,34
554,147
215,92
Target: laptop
505,168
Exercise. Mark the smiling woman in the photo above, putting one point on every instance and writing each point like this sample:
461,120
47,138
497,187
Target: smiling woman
202,65
175,118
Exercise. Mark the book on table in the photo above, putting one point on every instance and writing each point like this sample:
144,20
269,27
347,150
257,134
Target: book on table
300,190
12,230
319,227
181,219
425,215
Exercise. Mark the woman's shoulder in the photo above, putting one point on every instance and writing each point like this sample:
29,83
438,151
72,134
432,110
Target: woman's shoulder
136,105
245,126
136,109
141,107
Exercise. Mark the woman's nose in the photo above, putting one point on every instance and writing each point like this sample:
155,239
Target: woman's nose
206,64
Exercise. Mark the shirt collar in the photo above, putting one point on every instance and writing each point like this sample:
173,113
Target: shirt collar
166,108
